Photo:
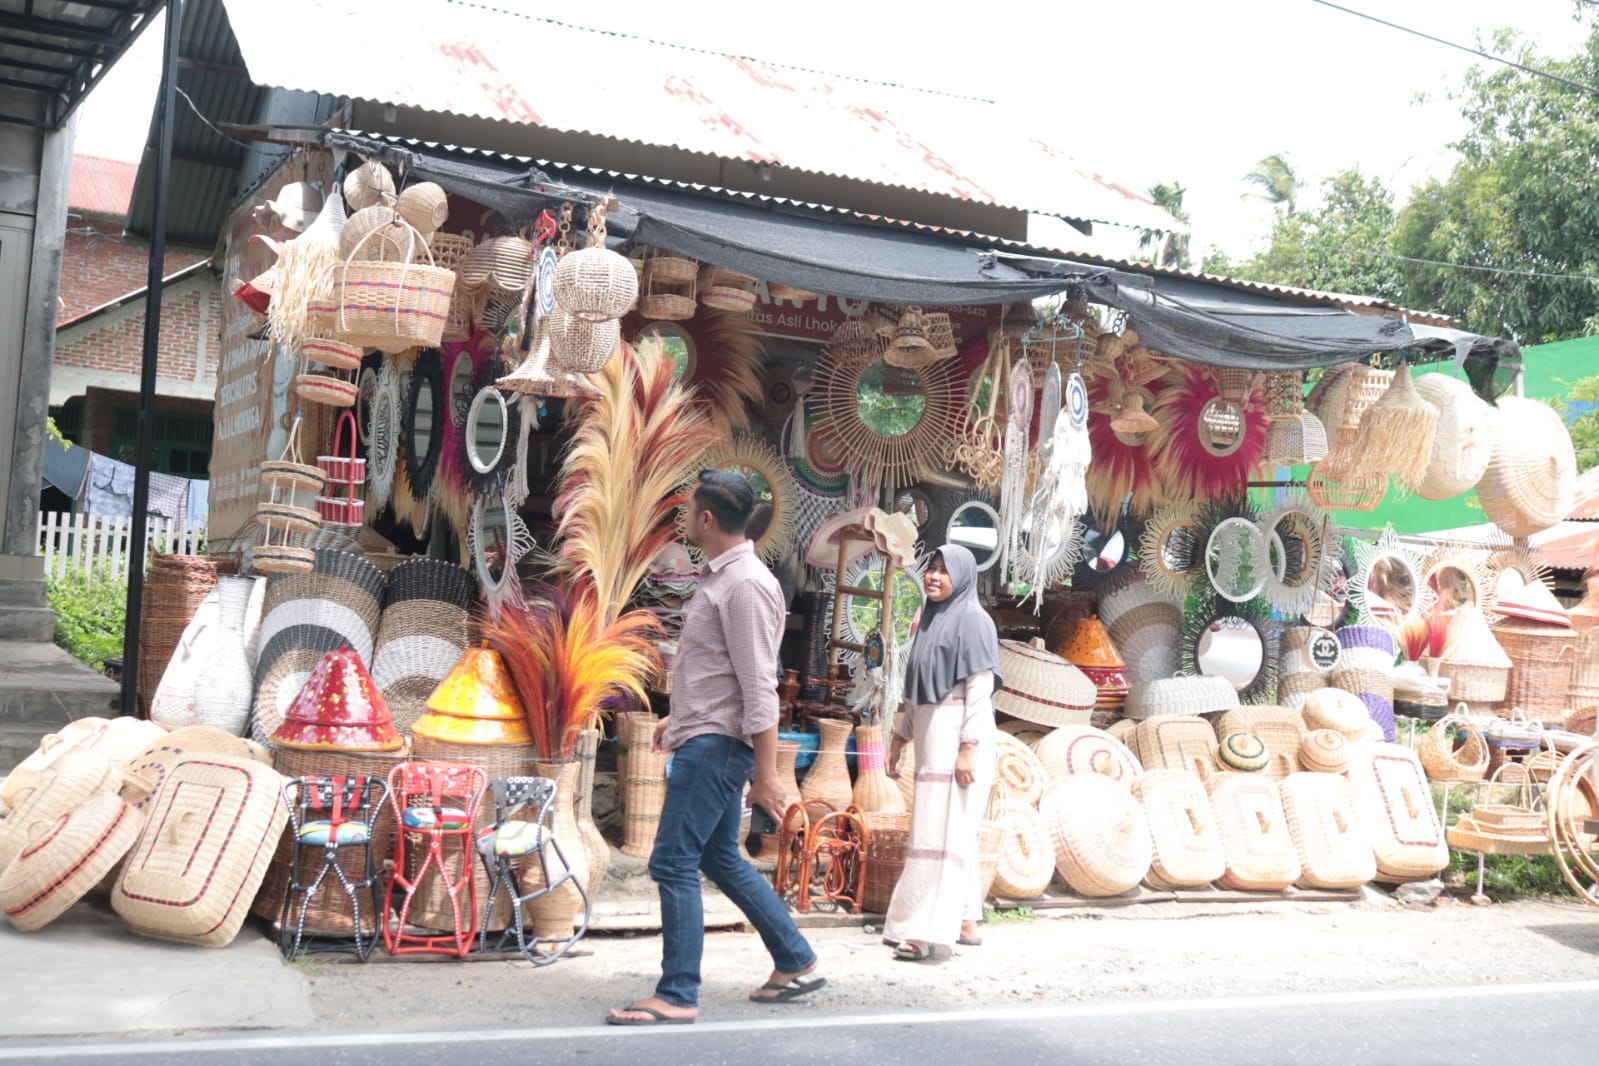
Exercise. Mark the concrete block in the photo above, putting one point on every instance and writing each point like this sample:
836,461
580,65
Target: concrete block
23,593
27,623
22,567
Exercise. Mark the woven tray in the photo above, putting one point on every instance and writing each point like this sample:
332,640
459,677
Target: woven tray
1176,743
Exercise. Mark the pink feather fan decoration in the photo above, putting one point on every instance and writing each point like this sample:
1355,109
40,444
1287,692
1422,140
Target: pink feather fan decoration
1190,470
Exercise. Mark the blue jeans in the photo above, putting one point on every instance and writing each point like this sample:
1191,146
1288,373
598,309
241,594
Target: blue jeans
699,831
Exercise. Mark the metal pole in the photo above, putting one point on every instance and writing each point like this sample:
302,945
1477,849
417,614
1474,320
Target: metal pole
152,350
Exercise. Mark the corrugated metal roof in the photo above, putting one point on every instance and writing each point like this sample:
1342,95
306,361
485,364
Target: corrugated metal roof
506,67
101,186
1587,505
57,50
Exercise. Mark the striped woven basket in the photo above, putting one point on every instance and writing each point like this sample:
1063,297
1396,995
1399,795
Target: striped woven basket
1086,750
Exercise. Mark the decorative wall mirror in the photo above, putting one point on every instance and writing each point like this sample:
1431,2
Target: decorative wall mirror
674,341
366,390
862,617
497,539
717,352
1388,587
489,440
916,503
1106,549
1295,540
1236,559
1508,570
975,527
1221,427
382,437
888,433
1062,550
1456,577
419,429
1171,552
768,475
1235,646
462,392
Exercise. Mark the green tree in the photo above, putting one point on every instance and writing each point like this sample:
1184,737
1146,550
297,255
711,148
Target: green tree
1170,247
1523,201
1275,182
1340,246
1585,427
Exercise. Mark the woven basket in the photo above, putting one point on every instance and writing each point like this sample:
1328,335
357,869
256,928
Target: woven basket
1181,742
52,746
1297,676
1338,710
670,268
885,857
1026,854
174,585
183,881
643,787
1028,733
874,791
1444,759
1176,696
144,773
1281,729
1585,671
389,241
1187,847
1531,482
1325,751
65,785
1086,750
582,347
1041,687
65,859
424,205
1243,753
988,851
1099,833
1018,774
367,185
393,306
1332,850
1469,835
325,351
1463,443
1543,660
1474,661
1260,853
1394,807
594,284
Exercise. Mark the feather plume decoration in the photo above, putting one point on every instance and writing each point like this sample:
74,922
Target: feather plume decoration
638,438
1189,472
569,665
726,366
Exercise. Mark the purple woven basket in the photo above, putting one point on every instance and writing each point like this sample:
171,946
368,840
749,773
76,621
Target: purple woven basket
1374,637
1381,712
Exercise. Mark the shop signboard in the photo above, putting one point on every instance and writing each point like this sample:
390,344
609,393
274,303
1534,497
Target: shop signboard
814,320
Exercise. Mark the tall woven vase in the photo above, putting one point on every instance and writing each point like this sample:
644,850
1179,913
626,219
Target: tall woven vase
643,789
554,916
787,752
224,689
826,786
874,791
594,844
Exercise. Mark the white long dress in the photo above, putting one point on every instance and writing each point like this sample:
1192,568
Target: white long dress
941,884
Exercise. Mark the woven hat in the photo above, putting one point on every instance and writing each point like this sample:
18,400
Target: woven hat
1187,850
1396,435
1244,752
339,709
1463,442
1471,641
66,859
475,704
75,778
1085,750
1254,833
296,204
1531,483
1325,751
1039,686
1204,694
1026,854
1101,837
1018,773
1533,602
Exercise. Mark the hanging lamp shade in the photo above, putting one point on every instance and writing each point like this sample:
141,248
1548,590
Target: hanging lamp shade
536,377
1396,435
339,709
910,347
1133,419
476,704
594,284
1463,443
1531,482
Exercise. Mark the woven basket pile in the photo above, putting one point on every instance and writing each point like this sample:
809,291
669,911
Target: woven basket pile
1394,806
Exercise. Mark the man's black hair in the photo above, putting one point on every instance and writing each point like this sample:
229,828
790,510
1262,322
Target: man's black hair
728,497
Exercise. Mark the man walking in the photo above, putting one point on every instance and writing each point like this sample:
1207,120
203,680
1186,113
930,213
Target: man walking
723,731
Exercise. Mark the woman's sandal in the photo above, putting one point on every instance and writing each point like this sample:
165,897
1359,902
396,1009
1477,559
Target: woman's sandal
910,952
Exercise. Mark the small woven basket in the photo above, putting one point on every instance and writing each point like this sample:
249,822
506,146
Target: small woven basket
1446,760
885,857
1325,751
643,788
325,351
1281,729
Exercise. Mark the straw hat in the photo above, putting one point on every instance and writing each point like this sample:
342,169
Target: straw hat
1100,834
66,859
1531,482
1204,694
1335,709
1085,750
894,534
1463,442
339,709
475,704
1244,752
1325,751
1038,686
1535,603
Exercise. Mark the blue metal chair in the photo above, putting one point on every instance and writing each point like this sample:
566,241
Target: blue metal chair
515,852
332,816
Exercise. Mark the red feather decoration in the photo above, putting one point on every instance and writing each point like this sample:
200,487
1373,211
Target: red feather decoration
1118,468
1188,471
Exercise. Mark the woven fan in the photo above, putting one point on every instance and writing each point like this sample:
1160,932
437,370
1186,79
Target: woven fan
1396,435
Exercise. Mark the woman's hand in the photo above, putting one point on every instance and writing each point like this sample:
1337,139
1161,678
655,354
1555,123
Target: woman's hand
896,747
966,766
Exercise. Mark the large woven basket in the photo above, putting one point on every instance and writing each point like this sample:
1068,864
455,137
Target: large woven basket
1297,676
1101,838
1543,659
173,588
1333,851
1187,845
1039,686
422,634
1585,671
65,859
145,771
1254,833
1281,729
643,786
1446,760
1026,854
1182,742
1394,806
1086,750
1463,444
1531,481
885,857
1018,773
392,306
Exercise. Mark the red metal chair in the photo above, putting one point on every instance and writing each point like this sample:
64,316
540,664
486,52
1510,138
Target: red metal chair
434,803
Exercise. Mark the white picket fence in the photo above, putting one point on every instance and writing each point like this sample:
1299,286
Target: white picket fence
79,543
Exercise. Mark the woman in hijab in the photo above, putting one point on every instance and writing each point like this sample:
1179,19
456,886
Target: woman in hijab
949,714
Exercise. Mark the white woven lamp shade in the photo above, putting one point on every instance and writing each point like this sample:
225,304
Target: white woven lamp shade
1463,443
1531,483
594,284
1396,435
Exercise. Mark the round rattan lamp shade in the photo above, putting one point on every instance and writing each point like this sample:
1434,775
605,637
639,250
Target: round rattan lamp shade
1039,686
67,858
1531,483
1101,838
1463,443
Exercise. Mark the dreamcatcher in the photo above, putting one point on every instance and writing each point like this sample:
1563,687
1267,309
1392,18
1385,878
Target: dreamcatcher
1013,501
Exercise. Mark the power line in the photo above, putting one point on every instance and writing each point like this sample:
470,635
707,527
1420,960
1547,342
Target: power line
1442,263
1464,48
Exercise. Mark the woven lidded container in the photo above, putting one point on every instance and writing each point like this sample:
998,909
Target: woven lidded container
1463,443
74,779
205,849
67,858
1333,851
1026,854
1204,694
1325,751
1101,837
1543,659
1338,710
1281,729
1254,832
1394,806
1531,482
1019,775
144,772
1187,845
1243,753
1039,686
51,747
1184,742
1086,750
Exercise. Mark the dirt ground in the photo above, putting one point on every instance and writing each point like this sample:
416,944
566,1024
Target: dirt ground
1157,951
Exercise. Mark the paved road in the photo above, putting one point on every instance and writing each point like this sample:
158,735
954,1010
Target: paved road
1547,1024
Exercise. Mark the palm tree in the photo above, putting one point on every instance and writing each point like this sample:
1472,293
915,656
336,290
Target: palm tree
1171,248
1277,183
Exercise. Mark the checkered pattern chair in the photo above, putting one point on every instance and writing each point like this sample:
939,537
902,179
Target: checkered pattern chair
521,837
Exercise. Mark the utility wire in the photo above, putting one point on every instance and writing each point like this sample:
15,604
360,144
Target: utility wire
261,146
1441,263
1464,48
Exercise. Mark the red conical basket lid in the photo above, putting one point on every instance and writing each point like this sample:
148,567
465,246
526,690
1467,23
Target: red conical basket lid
340,709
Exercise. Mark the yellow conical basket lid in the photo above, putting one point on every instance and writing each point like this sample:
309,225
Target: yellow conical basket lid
478,687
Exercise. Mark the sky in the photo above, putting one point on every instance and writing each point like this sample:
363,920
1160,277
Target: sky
1139,92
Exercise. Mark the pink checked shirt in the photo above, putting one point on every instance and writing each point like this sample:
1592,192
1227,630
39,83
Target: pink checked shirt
725,678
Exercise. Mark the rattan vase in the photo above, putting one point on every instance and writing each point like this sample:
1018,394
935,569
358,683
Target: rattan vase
873,791
643,787
223,686
554,915
787,752
594,842
826,786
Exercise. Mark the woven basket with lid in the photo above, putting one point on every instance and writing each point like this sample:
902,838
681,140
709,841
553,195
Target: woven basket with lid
1325,751
1187,850
1101,837
66,858
1254,833
1394,806
1181,742
1019,775
71,781
1041,687
1026,854
1338,710
1086,750
1281,729
1333,851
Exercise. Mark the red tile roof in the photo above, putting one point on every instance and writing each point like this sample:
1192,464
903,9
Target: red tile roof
101,186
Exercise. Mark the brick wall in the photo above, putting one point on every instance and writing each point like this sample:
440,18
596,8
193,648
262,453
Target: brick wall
97,267
114,342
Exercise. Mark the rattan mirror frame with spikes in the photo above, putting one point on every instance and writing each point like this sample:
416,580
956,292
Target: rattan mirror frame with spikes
891,461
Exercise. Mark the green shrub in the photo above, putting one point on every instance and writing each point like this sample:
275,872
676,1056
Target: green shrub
91,612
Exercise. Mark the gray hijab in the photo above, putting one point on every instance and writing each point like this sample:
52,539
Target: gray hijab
955,639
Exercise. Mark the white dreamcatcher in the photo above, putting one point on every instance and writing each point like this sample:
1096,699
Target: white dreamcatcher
1013,501
1060,494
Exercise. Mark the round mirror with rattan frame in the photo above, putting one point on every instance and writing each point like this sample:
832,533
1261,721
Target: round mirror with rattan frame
890,459
759,463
